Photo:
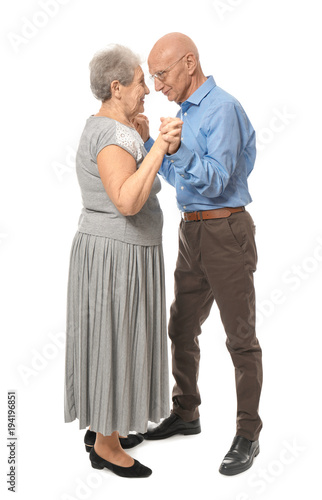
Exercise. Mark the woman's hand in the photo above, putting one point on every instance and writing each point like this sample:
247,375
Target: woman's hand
170,129
161,144
141,124
169,138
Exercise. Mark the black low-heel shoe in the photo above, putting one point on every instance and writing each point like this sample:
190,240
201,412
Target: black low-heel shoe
136,470
89,440
129,442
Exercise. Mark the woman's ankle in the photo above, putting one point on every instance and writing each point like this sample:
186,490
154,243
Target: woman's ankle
116,456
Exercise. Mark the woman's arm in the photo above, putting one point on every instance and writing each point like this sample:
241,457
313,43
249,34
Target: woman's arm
129,187
167,169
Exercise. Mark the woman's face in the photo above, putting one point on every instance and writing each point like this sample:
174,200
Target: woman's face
135,93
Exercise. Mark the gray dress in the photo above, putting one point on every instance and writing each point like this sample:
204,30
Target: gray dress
116,361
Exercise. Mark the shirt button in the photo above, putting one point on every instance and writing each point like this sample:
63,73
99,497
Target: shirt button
185,114
172,161
184,207
182,188
182,175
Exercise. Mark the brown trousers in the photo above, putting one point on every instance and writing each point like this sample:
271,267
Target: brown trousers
216,261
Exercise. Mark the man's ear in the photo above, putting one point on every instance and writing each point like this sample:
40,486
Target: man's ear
191,62
115,88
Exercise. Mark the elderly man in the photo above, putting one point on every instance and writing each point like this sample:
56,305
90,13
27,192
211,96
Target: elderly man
217,251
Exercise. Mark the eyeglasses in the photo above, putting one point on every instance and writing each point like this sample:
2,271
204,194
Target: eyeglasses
160,75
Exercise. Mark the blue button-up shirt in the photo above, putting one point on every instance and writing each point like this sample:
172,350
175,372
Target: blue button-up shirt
217,152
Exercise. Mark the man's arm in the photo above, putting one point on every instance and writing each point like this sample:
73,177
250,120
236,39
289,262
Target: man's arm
228,132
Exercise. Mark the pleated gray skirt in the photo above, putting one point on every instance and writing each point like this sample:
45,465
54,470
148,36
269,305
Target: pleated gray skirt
116,358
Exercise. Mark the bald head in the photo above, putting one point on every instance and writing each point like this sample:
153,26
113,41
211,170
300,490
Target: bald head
173,44
174,61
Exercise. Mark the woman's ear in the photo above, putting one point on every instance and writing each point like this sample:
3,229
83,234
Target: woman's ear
115,88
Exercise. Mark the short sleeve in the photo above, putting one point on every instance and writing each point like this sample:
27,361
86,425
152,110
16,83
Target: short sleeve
117,134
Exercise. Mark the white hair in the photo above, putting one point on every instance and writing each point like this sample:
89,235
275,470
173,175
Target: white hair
116,62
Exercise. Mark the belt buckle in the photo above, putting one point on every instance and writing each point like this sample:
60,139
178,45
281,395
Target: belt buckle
183,217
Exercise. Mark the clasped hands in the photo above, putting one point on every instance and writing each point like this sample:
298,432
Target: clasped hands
170,132
169,138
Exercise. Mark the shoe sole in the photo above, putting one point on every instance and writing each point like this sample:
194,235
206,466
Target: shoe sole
186,432
243,469
120,471
100,467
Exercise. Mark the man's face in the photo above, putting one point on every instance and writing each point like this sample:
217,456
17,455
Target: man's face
174,79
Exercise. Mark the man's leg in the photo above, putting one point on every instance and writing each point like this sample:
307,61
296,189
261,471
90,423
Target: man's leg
229,258
190,308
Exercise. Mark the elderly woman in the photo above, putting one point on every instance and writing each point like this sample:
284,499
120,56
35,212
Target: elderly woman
116,369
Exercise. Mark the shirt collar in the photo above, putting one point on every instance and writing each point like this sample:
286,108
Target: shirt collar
200,93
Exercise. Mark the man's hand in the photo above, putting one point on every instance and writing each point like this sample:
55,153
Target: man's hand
141,123
170,129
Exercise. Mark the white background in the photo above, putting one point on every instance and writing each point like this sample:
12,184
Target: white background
267,54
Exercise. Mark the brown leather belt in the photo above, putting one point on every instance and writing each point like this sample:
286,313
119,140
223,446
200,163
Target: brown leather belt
217,213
